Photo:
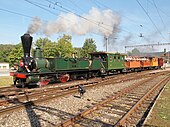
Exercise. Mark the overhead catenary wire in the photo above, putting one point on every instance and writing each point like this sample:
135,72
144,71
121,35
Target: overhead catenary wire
69,11
163,12
89,20
32,17
27,16
159,13
99,3
150,19
35,4
12,12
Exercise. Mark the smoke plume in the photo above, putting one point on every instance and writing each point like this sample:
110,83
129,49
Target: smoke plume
103,22
34,26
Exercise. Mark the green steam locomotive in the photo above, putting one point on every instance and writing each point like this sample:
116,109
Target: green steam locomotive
41,71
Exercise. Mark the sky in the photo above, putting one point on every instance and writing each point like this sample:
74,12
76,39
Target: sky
122,22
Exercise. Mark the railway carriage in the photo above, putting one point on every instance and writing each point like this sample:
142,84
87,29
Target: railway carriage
111,62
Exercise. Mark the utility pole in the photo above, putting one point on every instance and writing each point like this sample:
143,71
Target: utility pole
106,40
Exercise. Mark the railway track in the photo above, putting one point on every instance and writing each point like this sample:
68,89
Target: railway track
128,107
13,91
46,94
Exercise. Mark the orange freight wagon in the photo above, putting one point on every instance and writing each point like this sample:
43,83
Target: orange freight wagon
132,63
146,63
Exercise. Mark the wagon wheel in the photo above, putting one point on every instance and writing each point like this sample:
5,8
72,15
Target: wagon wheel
43,82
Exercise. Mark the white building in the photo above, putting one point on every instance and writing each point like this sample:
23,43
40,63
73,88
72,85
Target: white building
4,66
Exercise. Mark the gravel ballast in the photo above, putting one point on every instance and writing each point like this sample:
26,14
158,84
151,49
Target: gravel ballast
55,111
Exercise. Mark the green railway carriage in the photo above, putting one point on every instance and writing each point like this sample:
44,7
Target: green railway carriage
111,62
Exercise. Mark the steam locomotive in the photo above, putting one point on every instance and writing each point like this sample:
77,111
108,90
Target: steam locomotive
41,71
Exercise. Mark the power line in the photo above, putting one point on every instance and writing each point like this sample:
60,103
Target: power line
40,7
49,6
50,11
89,20
159,9
12,12
150,19
96,1
158,13
92,21
72,2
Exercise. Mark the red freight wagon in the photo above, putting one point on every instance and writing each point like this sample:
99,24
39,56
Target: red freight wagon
160,62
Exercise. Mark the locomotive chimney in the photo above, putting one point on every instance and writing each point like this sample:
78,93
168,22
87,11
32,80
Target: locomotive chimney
26,44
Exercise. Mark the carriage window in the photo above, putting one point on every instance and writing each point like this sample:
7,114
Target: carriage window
118,58
114,57
111,58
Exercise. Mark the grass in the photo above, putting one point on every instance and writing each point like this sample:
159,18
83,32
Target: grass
6,81
160,116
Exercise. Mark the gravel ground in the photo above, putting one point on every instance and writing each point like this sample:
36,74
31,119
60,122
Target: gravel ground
53,112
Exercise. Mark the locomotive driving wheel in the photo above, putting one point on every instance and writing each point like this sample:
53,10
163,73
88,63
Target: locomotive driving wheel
20,83
64,78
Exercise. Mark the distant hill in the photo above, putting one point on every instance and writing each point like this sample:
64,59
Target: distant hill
152,54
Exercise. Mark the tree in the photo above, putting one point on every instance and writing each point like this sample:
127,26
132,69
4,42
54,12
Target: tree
16,54
4,52
64,46
41,42
89,46
49,47
50,50
78,51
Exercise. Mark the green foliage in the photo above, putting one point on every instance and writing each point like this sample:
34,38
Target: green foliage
78,52
64,46
4,52
50,50
89,46
16,54
41,42
49,47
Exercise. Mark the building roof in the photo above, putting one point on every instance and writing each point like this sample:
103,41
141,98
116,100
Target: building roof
105,53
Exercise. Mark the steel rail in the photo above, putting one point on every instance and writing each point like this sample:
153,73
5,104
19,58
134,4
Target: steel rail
139,103
98,105
51,91
59,94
